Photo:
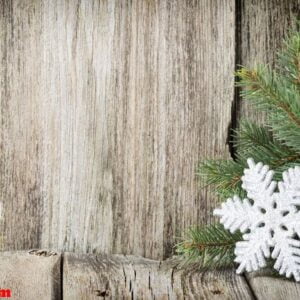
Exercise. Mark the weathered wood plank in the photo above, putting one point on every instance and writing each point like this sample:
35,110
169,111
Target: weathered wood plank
263,25
106,108
131,277
266,287
31,275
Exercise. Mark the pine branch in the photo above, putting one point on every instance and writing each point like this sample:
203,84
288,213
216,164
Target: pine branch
211,246
257,142
289,59
253,141
223,175
273,93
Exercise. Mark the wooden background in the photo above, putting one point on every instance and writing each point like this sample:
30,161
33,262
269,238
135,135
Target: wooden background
108,105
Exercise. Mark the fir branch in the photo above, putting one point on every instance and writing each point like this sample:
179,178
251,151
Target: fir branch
269,91
289,59
223,175
211,246
256,141
273,93
253,141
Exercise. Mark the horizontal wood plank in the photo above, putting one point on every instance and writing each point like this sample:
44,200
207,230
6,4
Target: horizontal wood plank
267,287
132,277
31,275
38,274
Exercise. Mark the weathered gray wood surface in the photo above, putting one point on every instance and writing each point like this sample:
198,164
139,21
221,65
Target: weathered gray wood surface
129,277
106,108
263,24
29,276
45,274
266,288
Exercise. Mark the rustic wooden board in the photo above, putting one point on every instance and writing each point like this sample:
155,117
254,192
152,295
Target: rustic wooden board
106,108
40,274
131,277
261,27
34,275
266,287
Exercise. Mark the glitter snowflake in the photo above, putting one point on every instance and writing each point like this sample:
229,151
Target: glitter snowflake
270,222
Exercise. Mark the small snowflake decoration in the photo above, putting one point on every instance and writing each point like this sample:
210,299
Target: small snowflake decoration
270,223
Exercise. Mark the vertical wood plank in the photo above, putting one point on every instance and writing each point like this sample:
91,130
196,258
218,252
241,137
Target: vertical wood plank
263,26
169,117
21,132
106,108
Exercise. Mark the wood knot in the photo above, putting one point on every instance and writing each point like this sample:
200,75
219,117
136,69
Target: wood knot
216,292
40,252
103,293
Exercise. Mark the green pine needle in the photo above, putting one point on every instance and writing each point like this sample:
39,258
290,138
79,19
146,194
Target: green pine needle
289,59
210,246
280,98
256,141
223,175
253,141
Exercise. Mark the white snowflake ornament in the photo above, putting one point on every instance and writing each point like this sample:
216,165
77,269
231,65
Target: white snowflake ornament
271,220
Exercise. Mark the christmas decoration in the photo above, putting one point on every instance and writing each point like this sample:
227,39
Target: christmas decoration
273,237
273,220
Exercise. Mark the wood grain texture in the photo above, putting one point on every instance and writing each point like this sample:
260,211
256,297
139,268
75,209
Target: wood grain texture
132,277
263,26
29,276
270,288
106,108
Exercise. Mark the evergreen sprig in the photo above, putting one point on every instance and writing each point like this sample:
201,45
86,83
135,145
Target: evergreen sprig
223,175
272,92
252,140
277,92
210,246
289,59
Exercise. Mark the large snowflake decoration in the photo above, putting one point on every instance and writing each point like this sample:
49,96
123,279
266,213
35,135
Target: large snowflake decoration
270,223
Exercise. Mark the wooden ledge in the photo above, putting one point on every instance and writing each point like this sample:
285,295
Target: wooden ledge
42,274
131,277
